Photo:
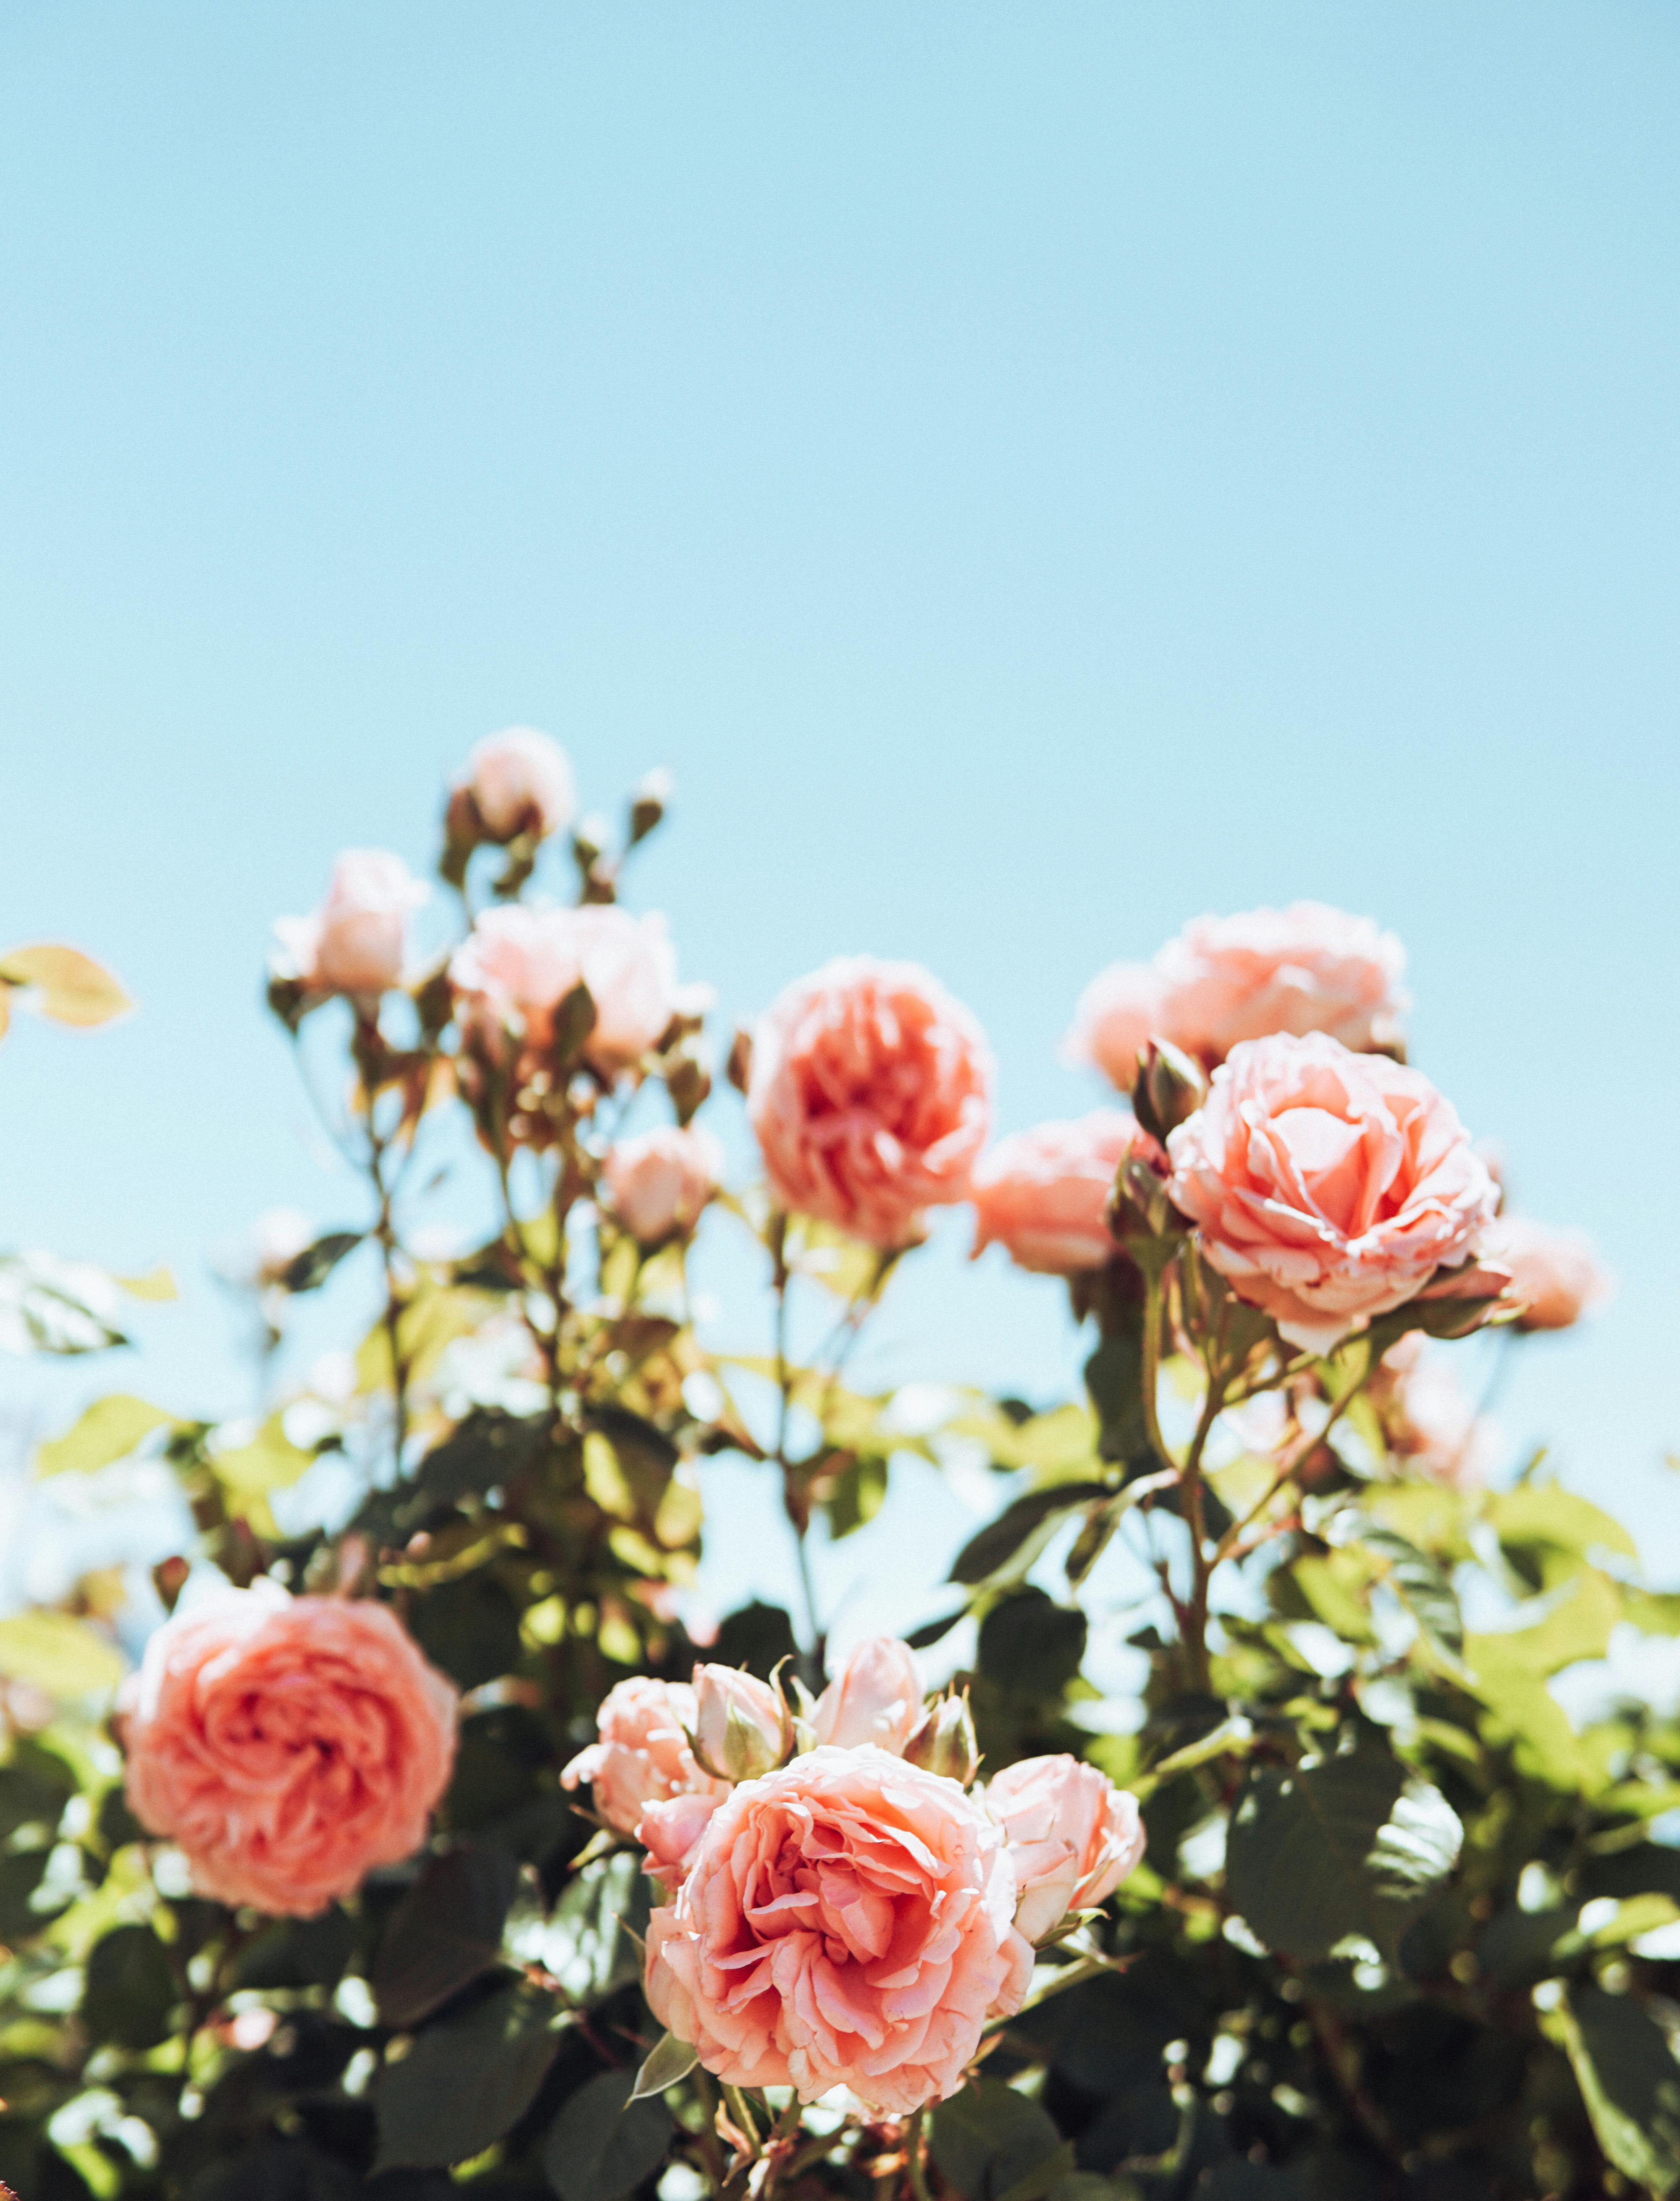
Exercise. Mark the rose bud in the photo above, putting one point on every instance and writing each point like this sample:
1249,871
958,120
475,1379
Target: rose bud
357,941
659,1182
521,782
1170,1086
1073,1837
742,1728
876,1697
944,1742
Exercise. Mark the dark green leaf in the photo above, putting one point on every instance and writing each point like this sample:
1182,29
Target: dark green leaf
465,2081
592,1946
484,1453
470,1627
1030,1643
988,2138
34,1789
445,1931
1021,1531
856,1495
299,1952
1420,1586
315,1263
276,2169
1114,1379
129,1992
603,2145
19,1877
1628,2080
1346,1849
758,1637
574,1018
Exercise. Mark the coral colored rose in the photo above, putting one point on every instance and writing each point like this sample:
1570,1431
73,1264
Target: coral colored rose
518,964
875,1698
847,1922
1041,1194
1328,1187
1073,1837
521,782
1224,979
658,1184
1556,1274
870,1094
642,1756
357,941
288,1744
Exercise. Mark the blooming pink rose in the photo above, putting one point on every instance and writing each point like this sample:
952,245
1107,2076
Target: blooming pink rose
875,1698
356,942
1224,979
1041,1194
288,1744
847,1922
1556,1274
518,964
521,782
642,1756
870,1094
658,1184
1073,1837
1328,1187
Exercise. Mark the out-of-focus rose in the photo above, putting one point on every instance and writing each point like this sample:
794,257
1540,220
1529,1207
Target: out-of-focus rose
1073,1837
659,1182
518,964
1041,1195
521,782
288,1744
741,1724
875,1698
847,1922
870,1094
1308,968
1556,1274
1328,1186
357,941
1432,1427
642,1756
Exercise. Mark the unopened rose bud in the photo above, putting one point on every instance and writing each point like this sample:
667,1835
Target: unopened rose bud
1138,1208
739,1067
875,1698
1170,1086
650,803
944,1742
741,1726
518,782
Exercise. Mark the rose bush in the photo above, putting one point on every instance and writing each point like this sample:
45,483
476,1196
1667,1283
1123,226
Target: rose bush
444,1839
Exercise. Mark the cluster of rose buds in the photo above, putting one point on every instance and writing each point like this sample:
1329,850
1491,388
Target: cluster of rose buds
843,1906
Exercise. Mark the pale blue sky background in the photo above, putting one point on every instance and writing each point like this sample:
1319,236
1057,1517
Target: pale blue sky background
1034,473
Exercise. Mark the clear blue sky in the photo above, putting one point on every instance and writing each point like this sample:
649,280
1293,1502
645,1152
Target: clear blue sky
1035,473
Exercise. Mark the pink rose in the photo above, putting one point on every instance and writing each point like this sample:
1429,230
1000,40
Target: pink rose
1433,1429
521,782
870,1094
288,1744
1224,979
1556,1274
642,1756
1328,1187
741,1725
1073,1837
847,1922
875,1698
1041,1194
355,943
658,1184
518,964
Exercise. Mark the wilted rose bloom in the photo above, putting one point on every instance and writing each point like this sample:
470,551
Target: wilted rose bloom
1073,1837
1328,1187
288,1744
870,1094
1041,1195
875,1698
1432,1426
659,1182
1308,968
518,964
357,941
642,1756
521,782
846,1921
1556,1274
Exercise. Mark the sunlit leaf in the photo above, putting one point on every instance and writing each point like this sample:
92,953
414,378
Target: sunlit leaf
64,984
110,1430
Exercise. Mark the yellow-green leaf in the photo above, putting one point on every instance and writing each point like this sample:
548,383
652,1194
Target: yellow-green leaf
110,1430
69,986
58,1653
269,1462
156,1284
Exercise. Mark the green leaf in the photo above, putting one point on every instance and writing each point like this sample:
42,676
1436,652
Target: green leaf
110,1430
470,1627
758,1637
606,2140
35,1786
671,2060
1546,1514
856,1495
1419,1584
988,2138
593,1946
129,1993
310,1269
1350,1847
67,1658
445,1933
1628,2080
21,1874
465,2082
1014,1539
1030,1643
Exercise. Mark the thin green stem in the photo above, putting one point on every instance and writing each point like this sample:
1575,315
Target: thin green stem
1153,1294
914,2161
